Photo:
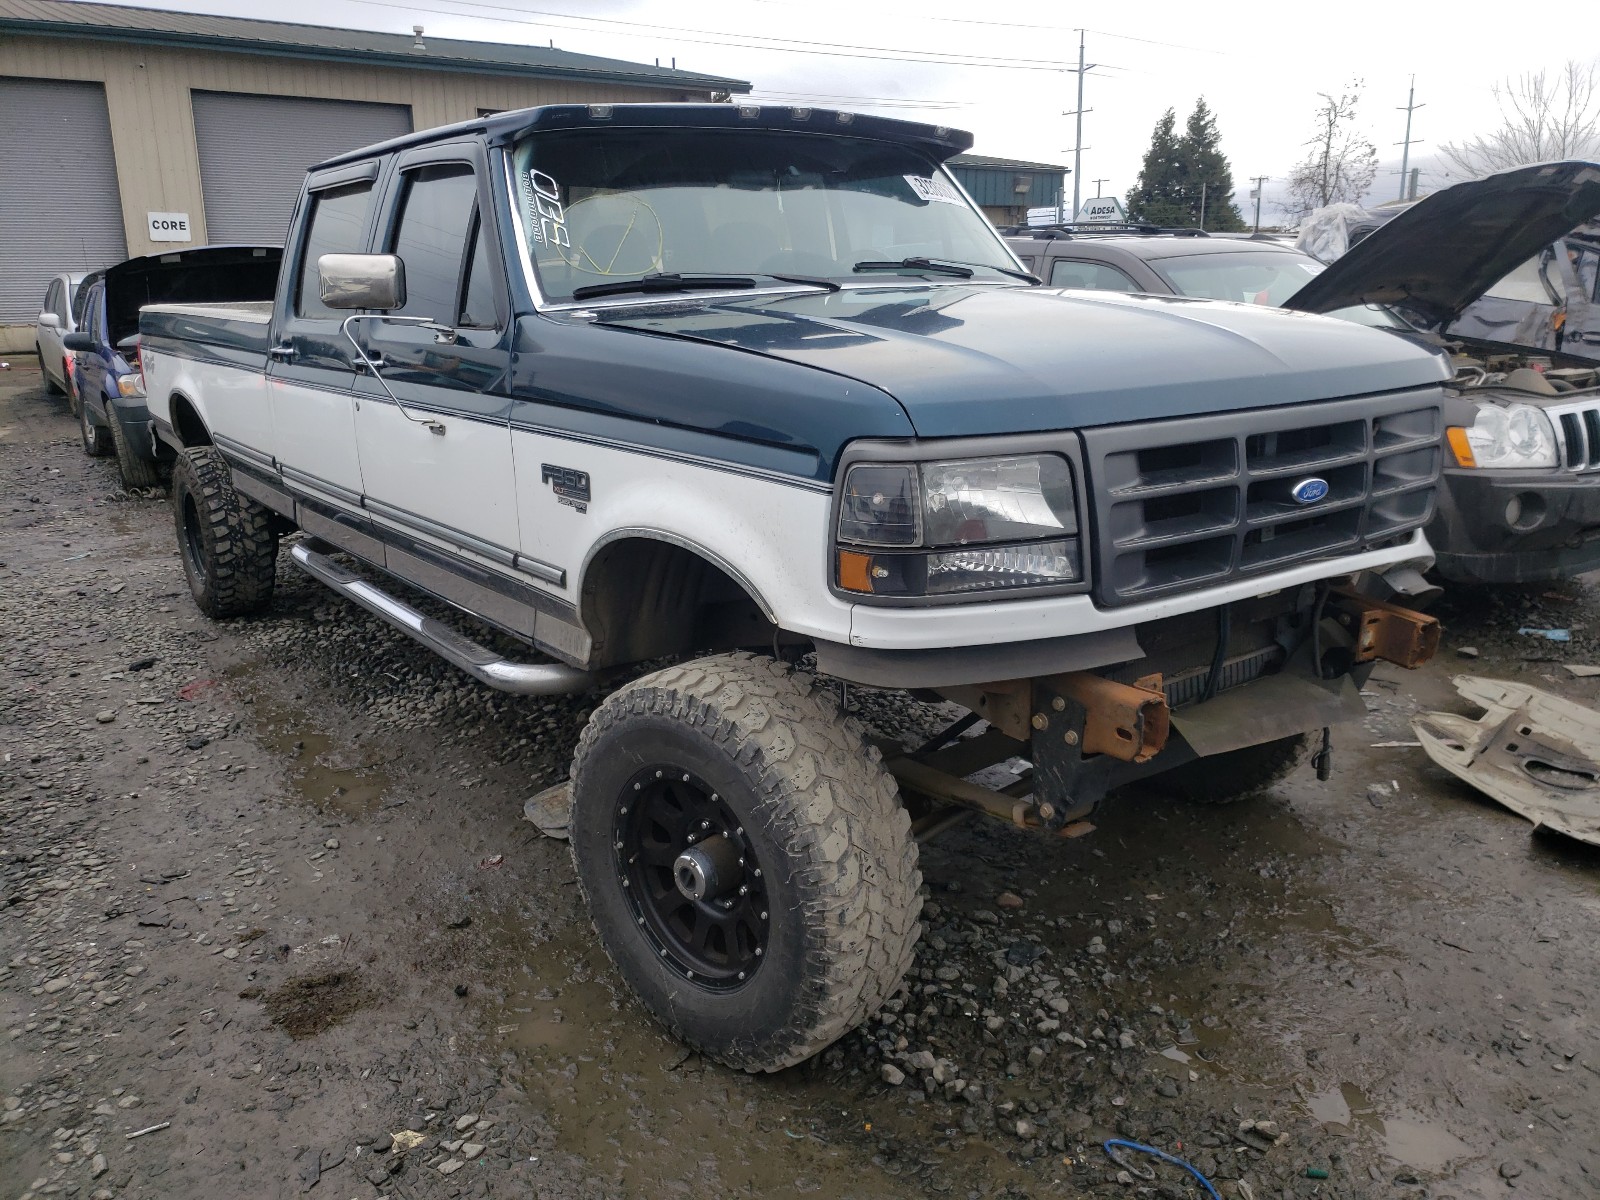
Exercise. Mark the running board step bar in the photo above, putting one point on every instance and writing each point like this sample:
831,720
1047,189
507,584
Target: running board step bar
483,664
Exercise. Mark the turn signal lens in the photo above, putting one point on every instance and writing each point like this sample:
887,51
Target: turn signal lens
855,571
1461,447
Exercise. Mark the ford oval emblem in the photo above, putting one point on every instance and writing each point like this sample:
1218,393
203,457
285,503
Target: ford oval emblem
1309,491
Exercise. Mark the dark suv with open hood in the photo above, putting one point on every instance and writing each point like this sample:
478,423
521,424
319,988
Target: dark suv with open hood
1521,500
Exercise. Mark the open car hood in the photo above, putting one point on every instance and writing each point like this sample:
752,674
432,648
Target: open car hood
1444,252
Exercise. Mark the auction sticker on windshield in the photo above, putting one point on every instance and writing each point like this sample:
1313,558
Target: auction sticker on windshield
938,191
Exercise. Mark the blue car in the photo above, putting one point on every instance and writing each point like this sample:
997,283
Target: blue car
112,417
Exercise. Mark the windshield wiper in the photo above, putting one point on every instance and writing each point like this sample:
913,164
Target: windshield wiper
814,280
663,282
947,266
918,264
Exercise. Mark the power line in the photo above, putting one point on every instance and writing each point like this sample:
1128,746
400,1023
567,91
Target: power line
749,42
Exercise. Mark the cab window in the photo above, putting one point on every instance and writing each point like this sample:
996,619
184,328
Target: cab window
337,225
446,257
1074,273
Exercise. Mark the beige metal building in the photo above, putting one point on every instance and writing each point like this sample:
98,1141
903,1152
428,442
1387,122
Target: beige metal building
124,131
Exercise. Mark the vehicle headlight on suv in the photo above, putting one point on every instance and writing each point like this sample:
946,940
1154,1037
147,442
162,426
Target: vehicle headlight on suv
129,385
956,527
1506,436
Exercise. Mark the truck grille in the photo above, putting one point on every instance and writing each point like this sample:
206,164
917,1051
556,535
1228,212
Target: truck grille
1195,502
1578,432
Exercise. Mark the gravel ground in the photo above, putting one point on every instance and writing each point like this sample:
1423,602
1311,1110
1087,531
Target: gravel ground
268,896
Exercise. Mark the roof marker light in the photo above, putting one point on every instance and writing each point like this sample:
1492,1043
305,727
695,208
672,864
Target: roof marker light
845,118
749,111
800,114
600,112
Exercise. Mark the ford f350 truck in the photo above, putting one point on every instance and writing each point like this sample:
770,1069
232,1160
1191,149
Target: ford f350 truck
743,388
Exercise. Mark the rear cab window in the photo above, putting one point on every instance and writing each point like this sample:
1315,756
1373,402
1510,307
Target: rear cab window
337,225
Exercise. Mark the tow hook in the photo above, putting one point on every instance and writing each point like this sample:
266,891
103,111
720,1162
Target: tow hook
1387,631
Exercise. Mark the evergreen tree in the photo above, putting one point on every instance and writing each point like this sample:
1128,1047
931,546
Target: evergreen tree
1169,189
1207,165
1157,195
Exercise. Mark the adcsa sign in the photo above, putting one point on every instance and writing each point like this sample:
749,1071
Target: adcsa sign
168,227
1102,208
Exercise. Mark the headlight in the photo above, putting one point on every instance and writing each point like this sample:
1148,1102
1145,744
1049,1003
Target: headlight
963,525
1512,435
128,385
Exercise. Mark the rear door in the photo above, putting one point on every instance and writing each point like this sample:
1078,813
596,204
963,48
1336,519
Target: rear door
439,462
310,374
90,366
50,338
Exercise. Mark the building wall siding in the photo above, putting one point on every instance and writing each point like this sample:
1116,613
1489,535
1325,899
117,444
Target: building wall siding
152,118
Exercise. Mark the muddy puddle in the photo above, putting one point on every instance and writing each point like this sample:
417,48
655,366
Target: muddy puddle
1403,1136
334,774
649,1117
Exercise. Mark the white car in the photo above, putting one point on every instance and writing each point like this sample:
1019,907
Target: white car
58,316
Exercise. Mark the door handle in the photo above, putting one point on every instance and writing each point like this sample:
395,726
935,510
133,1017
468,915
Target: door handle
283,352
375,360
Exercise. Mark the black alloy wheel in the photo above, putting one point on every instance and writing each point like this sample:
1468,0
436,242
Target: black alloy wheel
692,877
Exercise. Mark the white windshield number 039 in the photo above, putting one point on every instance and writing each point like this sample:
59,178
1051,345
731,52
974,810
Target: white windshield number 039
551,214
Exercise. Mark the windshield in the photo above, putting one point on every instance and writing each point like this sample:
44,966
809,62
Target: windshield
618,204
1251,277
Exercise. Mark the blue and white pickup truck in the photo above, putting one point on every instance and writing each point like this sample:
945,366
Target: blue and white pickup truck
742,388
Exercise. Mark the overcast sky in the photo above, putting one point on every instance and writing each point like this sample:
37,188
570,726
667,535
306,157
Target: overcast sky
928,60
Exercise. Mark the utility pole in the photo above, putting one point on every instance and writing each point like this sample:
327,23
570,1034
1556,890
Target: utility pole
1097,184
1202,206
1259,180
1411,106
1082,69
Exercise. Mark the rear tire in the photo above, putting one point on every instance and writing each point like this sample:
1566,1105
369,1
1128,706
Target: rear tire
96,440
136,472
741,754
1236,774
227,541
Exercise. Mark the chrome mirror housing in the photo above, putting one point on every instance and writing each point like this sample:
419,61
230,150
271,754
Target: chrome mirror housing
361,281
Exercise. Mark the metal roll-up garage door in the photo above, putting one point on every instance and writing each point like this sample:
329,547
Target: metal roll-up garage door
59,206
254,151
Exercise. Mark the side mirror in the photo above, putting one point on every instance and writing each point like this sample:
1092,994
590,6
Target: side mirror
49,320
79,341
362,281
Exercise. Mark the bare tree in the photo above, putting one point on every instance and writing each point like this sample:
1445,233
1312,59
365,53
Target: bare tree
1341,163
1543,116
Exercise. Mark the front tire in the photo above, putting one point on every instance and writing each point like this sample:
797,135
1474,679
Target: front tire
227,541
136,472
806,915
1236,774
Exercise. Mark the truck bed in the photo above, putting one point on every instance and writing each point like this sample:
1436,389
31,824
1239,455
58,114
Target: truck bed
236,329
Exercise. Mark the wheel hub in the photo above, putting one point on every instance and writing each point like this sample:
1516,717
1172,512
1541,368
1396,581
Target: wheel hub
709,870
691,877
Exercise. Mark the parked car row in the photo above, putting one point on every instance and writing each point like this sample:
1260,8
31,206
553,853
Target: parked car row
1521,495
87,337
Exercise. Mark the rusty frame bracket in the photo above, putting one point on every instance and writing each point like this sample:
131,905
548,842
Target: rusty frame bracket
1387,631
1083,725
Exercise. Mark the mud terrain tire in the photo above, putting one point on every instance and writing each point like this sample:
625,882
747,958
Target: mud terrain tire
227,541
812,805
1236,774
136,472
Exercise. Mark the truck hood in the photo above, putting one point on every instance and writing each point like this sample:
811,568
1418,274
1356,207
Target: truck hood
1445,251
982,359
